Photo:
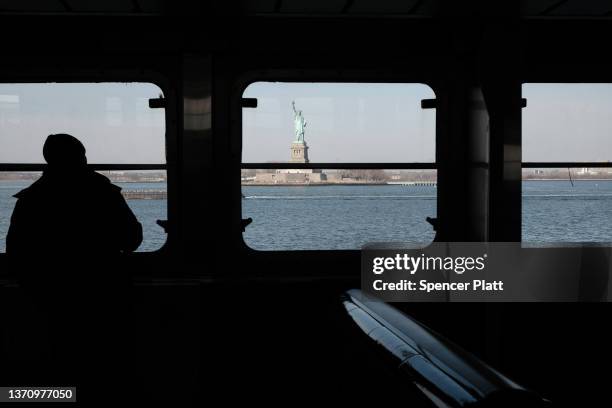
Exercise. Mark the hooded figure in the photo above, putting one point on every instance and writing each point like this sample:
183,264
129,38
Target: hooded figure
71,210
66,232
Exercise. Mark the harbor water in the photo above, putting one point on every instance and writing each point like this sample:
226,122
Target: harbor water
348,217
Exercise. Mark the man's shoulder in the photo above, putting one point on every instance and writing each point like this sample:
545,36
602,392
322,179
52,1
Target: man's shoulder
92,181
33,189
102,182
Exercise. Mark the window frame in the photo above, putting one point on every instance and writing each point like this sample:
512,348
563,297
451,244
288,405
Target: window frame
170,139
322,76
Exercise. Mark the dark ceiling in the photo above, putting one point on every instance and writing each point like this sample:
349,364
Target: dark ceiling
398,8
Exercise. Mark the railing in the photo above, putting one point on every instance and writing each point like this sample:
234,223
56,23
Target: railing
340,166
563,165
406,166
6,167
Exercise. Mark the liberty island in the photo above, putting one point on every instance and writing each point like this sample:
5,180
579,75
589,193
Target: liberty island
298,154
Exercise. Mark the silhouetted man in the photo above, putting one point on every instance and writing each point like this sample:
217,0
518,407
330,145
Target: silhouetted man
71,209
66,234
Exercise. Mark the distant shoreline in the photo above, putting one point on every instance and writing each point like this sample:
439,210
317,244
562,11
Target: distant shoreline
393,184
311,184
567,179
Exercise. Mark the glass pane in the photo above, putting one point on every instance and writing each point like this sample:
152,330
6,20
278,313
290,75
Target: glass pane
342,122
567,123
112,120
567,205
144,191
114,123
348,210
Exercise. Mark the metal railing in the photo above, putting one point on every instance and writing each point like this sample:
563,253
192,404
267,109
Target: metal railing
7,167
340,166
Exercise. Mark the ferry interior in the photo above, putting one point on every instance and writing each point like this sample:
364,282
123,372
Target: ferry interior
215,322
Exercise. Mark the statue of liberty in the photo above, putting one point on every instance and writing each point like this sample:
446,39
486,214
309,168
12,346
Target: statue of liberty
300,124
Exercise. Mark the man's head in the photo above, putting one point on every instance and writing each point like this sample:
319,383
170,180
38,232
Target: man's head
64,151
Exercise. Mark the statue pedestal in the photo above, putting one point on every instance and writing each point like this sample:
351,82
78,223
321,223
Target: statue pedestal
299,152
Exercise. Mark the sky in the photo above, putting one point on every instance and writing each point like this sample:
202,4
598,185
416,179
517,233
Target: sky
567,122
346,122
112,120
385,123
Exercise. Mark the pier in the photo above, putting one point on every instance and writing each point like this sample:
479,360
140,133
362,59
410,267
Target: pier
145,194
414,183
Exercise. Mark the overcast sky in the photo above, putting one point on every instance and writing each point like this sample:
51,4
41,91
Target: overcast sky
113,120
384,122
567,122
345,122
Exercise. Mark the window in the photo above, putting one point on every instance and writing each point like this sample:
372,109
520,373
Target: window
124,139
337,165
567,169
